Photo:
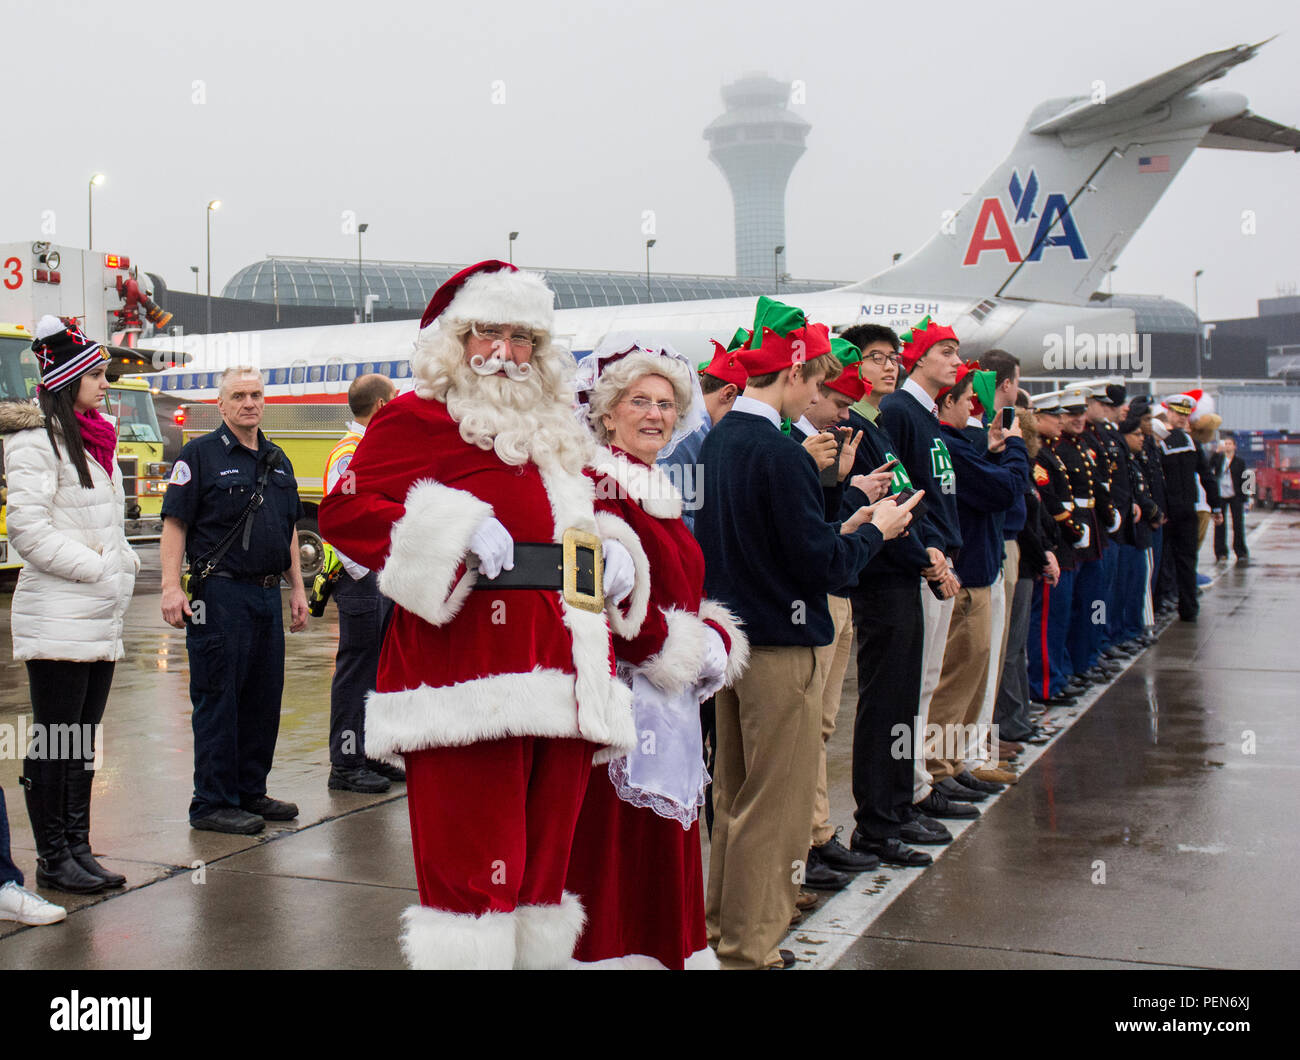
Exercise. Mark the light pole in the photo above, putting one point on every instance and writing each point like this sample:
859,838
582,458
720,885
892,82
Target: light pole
95,181
361,298
195,269
215,204
648,244
776,265
1196,308
510,248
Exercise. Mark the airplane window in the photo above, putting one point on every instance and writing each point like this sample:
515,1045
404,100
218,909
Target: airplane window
299,374
315,373
332,372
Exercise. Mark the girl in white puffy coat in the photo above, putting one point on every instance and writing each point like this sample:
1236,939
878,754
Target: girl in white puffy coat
65,513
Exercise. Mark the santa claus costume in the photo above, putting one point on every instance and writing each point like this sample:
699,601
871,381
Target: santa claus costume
495,699
636,859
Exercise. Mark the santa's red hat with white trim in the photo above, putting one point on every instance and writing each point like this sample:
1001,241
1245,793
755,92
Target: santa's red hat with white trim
493,292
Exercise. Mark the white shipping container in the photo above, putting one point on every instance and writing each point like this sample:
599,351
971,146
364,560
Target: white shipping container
1260,409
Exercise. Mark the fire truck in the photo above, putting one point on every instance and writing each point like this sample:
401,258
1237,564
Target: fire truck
1277,479
106,296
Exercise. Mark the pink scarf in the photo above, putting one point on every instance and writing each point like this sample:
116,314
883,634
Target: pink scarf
99,437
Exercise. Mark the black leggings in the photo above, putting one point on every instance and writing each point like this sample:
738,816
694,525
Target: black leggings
67,693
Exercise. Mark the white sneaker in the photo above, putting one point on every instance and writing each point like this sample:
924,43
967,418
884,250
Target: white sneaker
27,908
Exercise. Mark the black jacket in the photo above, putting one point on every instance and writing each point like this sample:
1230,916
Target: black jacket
1237,469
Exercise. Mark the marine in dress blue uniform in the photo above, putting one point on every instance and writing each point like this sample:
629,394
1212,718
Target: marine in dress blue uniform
236,652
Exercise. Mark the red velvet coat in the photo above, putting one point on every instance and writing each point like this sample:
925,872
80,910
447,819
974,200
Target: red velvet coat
459,666
640,875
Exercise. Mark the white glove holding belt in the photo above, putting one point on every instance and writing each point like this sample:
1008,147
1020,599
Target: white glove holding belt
713,670
494,546
620,571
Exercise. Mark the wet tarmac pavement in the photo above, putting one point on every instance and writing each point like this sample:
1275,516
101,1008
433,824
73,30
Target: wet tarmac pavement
1149,789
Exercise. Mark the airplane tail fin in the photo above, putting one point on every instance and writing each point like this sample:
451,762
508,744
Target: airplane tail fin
1051,220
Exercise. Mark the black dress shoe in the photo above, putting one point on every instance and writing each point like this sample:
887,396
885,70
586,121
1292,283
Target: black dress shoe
359,779
394,773
918,833
968,780
61,872
937,804
1037,737
1187,618
892,851
229,819
1097,675
1243,561
1117,651
269,808
787,961
833,855
954,789
820,877
1074,690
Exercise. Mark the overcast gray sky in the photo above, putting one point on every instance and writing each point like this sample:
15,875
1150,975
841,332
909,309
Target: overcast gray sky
446,127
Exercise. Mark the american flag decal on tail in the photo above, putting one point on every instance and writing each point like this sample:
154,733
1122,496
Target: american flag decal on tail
1153,163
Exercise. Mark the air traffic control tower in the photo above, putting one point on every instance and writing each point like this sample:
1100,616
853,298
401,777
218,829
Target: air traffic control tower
756,143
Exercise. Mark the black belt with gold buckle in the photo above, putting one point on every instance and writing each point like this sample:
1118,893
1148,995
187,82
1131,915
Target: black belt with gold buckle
574,567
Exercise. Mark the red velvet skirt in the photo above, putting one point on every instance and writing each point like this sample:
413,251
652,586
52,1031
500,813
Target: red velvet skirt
640,877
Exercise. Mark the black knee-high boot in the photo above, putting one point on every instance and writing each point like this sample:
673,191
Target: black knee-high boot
43,784
77,784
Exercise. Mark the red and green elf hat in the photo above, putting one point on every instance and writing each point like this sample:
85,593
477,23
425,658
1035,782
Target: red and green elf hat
785,337
850,382
983,385
725,366
845,352
919,338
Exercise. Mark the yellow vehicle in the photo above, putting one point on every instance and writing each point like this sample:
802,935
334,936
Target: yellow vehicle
139,439
307,433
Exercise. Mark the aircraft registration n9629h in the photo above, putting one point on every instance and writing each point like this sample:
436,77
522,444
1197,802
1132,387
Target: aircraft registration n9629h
1019,263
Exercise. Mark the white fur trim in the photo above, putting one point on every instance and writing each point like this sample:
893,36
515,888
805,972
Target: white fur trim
503,297
429,543
435,938
638,602
704,960
545,935
677,664
604,702
738,657
540,703
653,490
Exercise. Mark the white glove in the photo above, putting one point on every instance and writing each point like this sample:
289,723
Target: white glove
494,546
715,655
712,671
620,571
1116,522
1086,539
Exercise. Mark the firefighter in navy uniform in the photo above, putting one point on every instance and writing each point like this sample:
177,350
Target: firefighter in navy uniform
234,630
1050,605
1111,456
1094,516
1183,464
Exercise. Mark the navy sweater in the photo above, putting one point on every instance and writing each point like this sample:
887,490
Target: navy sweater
915,431
769,553
904,554
990,484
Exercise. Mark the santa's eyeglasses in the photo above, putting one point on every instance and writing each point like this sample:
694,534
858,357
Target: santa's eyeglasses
517,337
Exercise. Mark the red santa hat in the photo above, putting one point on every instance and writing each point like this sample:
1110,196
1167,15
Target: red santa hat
850,382
493,292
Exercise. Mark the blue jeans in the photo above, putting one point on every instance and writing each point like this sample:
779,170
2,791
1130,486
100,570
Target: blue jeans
236,678
9,872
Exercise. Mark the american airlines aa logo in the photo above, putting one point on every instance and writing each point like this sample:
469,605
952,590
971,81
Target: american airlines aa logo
1055,225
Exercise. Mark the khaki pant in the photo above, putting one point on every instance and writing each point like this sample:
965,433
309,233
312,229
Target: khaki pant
834,660
938,615
961,686
763,783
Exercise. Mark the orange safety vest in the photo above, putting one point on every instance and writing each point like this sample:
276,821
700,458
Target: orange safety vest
346,447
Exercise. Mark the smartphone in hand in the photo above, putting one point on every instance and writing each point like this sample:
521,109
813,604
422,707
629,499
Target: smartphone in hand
830,475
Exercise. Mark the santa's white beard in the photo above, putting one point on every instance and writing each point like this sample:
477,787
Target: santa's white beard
519,419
